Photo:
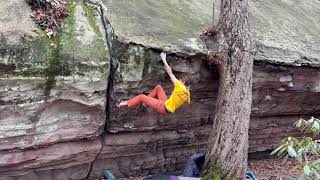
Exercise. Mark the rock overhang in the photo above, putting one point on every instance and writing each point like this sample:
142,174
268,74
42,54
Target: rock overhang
285,32
167,25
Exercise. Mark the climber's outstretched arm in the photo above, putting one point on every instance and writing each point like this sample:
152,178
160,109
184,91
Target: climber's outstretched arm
167,67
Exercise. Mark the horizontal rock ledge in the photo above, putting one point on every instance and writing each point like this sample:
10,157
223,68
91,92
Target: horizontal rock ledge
53,157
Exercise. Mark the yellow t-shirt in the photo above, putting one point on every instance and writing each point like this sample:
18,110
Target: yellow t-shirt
179,96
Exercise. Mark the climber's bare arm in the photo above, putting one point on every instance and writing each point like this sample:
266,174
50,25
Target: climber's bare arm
167,67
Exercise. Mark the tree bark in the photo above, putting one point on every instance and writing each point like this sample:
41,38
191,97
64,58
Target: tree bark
231,49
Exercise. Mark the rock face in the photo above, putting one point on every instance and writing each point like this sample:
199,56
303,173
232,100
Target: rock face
281,95
56,94
152,152
52,94
57,157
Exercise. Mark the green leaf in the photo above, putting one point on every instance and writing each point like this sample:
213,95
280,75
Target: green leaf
306,170
316,126
298,123
292,152
316,162
311,120
299,157
316,168
282,151
317,174
308,147
276,150
315,148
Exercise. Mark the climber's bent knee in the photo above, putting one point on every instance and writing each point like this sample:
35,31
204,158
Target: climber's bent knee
159,86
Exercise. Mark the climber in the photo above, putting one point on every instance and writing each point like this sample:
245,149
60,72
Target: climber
179,96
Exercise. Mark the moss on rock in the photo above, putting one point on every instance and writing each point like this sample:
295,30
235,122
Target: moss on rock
82,44
214,174
79,49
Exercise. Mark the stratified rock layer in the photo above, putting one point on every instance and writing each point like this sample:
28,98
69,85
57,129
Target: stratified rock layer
52,158
281,95
145,153
54,92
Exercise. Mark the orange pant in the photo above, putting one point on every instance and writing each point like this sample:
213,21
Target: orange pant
150,100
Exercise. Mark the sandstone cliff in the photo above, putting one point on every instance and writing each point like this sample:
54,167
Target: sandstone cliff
58,118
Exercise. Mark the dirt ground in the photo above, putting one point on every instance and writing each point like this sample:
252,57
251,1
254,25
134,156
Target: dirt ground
274,169
269,169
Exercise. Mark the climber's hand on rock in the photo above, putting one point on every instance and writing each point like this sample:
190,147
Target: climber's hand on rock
163,57
167,67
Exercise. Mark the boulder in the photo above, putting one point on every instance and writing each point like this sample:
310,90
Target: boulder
281,95
285,76
52,93
56,94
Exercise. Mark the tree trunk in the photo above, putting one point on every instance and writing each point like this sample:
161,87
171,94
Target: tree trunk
230,48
